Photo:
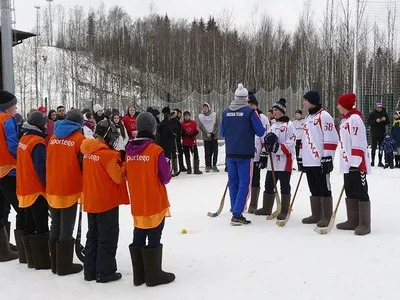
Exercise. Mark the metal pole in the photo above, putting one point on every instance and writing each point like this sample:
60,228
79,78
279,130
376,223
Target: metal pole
51,23
36,55
6,46
355,73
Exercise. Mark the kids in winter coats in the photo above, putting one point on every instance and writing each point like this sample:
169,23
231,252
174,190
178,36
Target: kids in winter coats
354,164
104,189
389,149
149,205
31,192
279,143
189,138
64,189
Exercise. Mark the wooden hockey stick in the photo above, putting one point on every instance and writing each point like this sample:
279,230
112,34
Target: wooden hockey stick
79,249
282,223
326,230
221,205
278,198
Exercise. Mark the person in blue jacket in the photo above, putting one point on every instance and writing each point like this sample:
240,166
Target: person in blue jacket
240,123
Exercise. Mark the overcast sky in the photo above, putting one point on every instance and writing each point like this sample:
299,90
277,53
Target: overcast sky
286,11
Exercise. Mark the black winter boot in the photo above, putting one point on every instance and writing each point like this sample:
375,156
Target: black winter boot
284,207
137,265
64,257
197,167
152,259
20,246
5,252
12,247
352,216
364,226
189,166
316,211
175,171
255,194
40,251
26,242
181,165
53,255
327,204
268,203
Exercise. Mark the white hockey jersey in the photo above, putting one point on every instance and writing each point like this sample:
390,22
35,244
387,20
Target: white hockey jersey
283,159
320,139
299,125
353,145
259,141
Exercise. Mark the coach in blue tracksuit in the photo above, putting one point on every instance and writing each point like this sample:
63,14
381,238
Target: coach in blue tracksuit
240,123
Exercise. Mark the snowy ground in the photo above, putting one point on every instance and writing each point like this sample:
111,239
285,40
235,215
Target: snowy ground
260,261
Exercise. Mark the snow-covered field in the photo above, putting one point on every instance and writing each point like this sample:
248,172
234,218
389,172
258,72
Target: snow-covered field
261,261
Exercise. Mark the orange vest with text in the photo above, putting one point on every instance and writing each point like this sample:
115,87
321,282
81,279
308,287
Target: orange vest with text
63,172
29,185
100,192
149,199
7,161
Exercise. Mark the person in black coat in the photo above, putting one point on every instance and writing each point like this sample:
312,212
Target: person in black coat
176,120
396,136
167,139
377,120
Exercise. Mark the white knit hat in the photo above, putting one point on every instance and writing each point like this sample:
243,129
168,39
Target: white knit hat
97,107
241,92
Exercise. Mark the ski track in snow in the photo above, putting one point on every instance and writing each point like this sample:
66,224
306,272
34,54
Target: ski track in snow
260,261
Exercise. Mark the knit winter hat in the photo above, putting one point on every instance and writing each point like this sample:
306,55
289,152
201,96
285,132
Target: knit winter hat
97,107
241,93
281,105
379,104
397,112
166,110
7,100
313,97
347,101
38,119
146,122
42,109
114,111
252,99
75,115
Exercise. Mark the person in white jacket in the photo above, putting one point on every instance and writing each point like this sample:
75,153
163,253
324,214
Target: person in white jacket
298,123
123,138
319,143
88,125
279,143
257,166
354,164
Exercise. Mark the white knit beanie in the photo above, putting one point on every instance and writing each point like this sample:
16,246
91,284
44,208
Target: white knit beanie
241,93
97,107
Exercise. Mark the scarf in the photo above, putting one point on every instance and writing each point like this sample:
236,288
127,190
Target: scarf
238,103
313,111
89,125
353,111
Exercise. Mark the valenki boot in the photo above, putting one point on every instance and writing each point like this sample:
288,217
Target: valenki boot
152,260
197,167
137,265
327,210
284,207
268,203
352,216
53,255
181,165
65,256
316,211
255,194
40,251
364,226
189,166
5,252
26,242
20,246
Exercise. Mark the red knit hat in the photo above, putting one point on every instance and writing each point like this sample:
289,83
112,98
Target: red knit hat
42,109
347,101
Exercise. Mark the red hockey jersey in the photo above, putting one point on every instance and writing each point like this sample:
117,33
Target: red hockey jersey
192,130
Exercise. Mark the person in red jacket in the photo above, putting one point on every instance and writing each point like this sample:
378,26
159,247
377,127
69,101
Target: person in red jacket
130,122
189,137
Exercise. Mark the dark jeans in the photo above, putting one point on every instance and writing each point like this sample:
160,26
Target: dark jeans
187,150
101,243
152,234
255,181
211,152
318,183
376,142
356,186
179,148
37,216
8,187
282,177
62,223
298,145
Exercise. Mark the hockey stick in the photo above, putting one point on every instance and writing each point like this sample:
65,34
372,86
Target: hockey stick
326,230
221,205
278,198
282,223
79,249
177,155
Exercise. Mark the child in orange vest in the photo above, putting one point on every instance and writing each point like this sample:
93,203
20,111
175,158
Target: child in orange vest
104,189
148,173
31,191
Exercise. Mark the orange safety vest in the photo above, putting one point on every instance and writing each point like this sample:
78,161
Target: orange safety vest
101,193
149,199
7,161
29,185
63,172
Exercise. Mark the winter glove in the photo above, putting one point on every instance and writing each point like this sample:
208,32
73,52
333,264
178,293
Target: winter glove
270,139
326,164
262,164
300,164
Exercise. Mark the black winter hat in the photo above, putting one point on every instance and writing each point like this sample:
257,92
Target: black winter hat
252,99
281,105
75,115
186,113
313,97
37,119
107,131
7,100
114,111
166,110
146,122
